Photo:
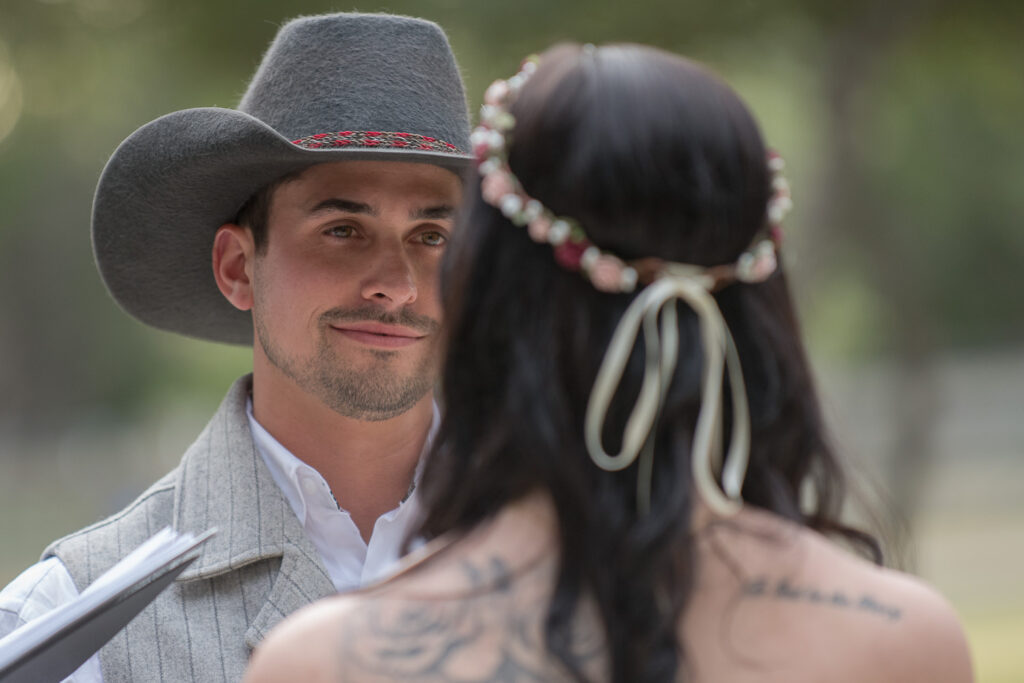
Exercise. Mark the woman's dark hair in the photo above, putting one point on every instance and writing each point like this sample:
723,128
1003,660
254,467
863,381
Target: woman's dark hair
654,156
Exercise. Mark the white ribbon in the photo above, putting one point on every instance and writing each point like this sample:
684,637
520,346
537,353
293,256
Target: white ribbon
691,285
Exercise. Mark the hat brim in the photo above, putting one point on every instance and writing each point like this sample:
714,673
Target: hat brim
168,188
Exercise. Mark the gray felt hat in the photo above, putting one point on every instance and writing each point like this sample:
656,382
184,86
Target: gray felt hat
331,88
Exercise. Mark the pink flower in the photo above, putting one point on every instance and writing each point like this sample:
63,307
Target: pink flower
496,93
495,186
606,274
539,228
764,265
481,151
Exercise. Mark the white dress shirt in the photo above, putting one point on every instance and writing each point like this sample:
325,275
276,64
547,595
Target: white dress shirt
350,561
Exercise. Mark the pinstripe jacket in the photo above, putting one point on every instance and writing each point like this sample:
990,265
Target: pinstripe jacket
259,568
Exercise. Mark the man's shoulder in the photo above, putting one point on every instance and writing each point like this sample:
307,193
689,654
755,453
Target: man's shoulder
109,539
121,532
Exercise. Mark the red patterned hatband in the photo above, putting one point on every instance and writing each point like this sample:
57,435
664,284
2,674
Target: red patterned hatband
373,138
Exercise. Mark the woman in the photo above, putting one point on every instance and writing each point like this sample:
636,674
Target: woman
586,492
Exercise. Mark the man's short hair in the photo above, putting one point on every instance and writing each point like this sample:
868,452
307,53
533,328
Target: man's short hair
256,210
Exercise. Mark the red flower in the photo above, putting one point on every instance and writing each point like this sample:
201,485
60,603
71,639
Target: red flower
568,254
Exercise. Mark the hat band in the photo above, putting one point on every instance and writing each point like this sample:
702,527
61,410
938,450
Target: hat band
377,139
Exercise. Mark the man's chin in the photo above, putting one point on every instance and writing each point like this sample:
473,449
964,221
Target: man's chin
369,400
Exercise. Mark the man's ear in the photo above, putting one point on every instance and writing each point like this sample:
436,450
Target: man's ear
233,254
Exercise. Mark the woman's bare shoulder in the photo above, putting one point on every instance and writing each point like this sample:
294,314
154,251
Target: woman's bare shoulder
417,628
933,646
308,645
468,612
303,647
787,599
927,640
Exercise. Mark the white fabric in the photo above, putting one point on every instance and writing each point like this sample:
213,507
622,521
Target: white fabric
35,592
350,562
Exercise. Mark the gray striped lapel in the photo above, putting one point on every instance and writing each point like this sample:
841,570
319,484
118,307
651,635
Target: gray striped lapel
224,483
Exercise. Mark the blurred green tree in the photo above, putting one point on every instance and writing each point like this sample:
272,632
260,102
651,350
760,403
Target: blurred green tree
899,119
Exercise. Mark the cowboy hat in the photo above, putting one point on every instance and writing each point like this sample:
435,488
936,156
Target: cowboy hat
330,88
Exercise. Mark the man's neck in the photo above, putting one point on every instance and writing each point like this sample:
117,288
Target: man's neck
369,466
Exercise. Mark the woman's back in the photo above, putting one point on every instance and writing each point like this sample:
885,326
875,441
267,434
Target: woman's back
773,602
629,418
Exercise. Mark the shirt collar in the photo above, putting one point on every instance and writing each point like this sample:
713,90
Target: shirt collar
288,471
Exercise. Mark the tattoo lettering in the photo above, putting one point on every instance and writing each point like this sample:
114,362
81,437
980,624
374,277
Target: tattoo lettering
784,589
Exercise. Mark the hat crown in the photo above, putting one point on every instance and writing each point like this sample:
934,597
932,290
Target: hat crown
360,72
326,90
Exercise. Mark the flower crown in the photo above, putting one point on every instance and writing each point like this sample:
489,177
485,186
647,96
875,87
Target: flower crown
653,310
573,249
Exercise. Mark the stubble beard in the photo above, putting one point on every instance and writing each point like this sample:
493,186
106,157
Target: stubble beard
373,393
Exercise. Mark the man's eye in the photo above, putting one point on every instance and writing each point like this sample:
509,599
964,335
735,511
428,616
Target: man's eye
340,231
433,238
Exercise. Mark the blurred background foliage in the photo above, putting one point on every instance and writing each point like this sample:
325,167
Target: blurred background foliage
900,121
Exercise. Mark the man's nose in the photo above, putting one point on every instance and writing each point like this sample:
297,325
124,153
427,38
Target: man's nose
390,278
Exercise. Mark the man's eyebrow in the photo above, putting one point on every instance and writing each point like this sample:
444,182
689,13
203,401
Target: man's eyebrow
432,213
343,205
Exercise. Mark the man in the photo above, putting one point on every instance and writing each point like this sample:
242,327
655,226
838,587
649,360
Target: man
325,201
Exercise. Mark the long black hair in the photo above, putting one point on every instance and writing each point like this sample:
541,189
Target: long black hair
654,156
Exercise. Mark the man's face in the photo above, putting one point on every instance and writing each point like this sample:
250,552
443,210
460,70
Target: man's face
345,293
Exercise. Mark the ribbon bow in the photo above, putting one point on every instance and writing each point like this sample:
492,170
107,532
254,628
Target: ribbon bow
692,285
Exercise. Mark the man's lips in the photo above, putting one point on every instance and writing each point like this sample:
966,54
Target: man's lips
380,334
